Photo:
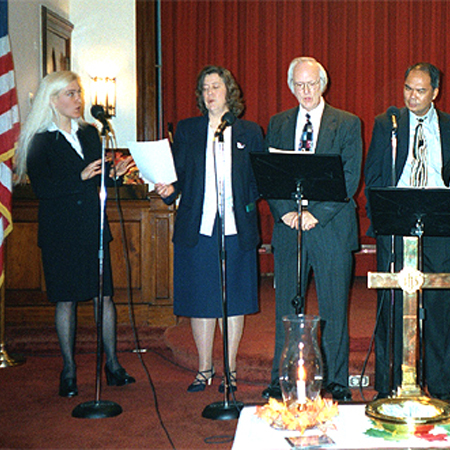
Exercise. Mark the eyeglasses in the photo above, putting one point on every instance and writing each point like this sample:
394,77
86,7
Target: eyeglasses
311,85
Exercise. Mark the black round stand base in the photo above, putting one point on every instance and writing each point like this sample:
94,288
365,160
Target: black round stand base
101,409
223,411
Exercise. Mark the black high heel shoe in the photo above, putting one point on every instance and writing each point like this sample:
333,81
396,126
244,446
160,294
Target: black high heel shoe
68,387
233,386
118,378
201,379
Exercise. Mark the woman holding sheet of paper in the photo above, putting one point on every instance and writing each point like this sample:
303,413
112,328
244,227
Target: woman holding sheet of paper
197,286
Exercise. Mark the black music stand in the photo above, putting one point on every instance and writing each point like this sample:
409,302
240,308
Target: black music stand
299,176
410,212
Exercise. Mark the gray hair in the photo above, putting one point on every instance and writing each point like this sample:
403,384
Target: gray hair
322,72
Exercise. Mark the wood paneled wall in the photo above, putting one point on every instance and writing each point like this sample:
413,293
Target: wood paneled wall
147,228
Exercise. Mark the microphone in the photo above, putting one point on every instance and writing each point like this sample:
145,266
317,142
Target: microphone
227,119
98,113
393,112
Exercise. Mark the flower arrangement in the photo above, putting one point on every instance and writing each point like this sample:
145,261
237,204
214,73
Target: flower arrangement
300,417
133,175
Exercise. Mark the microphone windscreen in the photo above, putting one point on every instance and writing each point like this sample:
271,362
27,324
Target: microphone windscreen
97,111
229,118
393,111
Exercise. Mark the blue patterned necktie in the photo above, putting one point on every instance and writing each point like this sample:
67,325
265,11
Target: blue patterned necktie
419,173
307,136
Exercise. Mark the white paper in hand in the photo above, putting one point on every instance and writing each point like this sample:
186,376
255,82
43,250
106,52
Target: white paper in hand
154,161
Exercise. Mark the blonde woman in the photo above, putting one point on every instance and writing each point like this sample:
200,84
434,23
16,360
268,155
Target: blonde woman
61,154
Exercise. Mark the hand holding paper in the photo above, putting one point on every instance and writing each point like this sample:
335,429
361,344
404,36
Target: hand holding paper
164,190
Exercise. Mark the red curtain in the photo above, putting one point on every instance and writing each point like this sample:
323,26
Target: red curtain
365,45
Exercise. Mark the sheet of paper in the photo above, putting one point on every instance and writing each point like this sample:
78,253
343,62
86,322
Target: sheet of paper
290,152
154,161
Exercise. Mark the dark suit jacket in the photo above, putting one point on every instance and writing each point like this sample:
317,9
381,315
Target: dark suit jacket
378,173
340,133
378,167
69,214
189,152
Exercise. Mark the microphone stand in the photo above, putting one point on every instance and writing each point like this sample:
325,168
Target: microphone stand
99,409
392,267
222,410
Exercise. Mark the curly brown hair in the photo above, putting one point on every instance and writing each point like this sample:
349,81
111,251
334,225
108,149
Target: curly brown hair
234,98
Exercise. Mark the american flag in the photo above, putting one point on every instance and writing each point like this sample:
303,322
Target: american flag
9,130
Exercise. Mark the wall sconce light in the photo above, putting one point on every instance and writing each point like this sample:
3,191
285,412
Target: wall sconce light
104,94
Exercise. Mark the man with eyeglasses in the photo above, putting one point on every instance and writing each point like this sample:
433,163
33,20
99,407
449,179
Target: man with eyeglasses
329,229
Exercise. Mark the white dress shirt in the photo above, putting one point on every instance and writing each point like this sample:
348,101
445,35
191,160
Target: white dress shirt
315,118
434,151
223,166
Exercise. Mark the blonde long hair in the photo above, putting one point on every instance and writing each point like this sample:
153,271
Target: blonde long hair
41,116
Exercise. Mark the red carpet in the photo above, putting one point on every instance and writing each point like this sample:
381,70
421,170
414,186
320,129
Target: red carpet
256,348
158,413
32,415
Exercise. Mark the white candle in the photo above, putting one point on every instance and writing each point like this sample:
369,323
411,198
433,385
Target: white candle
301,384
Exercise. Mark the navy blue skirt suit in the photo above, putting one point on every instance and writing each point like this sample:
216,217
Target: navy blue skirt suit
197,286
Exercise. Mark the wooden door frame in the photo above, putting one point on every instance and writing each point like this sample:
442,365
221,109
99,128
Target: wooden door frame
146,71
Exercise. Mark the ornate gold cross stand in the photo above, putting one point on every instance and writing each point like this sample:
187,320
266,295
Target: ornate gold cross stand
409,406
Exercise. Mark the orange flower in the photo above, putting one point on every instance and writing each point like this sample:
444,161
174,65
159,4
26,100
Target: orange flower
315,413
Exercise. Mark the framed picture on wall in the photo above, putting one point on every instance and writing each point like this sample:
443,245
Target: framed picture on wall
56,42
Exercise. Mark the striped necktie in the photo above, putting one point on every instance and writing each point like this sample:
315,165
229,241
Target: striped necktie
307,136
419,173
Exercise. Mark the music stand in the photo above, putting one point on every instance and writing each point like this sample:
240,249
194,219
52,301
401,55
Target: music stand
321,177
299,176
410,212
404,211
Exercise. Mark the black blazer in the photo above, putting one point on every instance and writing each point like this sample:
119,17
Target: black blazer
68,206
69,213
189,151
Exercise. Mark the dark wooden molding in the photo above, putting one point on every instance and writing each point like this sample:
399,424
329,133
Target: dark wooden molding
146,56
56,42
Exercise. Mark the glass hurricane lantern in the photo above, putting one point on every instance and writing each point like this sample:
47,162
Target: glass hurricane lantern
301,365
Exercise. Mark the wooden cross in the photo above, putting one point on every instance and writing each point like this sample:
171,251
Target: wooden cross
411,281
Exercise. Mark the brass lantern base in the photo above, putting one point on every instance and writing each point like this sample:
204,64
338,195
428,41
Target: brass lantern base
407,413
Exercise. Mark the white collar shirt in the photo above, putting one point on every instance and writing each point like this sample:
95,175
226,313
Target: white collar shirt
222,162
434,151
71,137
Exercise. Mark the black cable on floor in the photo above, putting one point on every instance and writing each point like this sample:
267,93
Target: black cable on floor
137,350
372,340
218,439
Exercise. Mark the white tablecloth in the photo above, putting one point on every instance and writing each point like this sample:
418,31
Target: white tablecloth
351,423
